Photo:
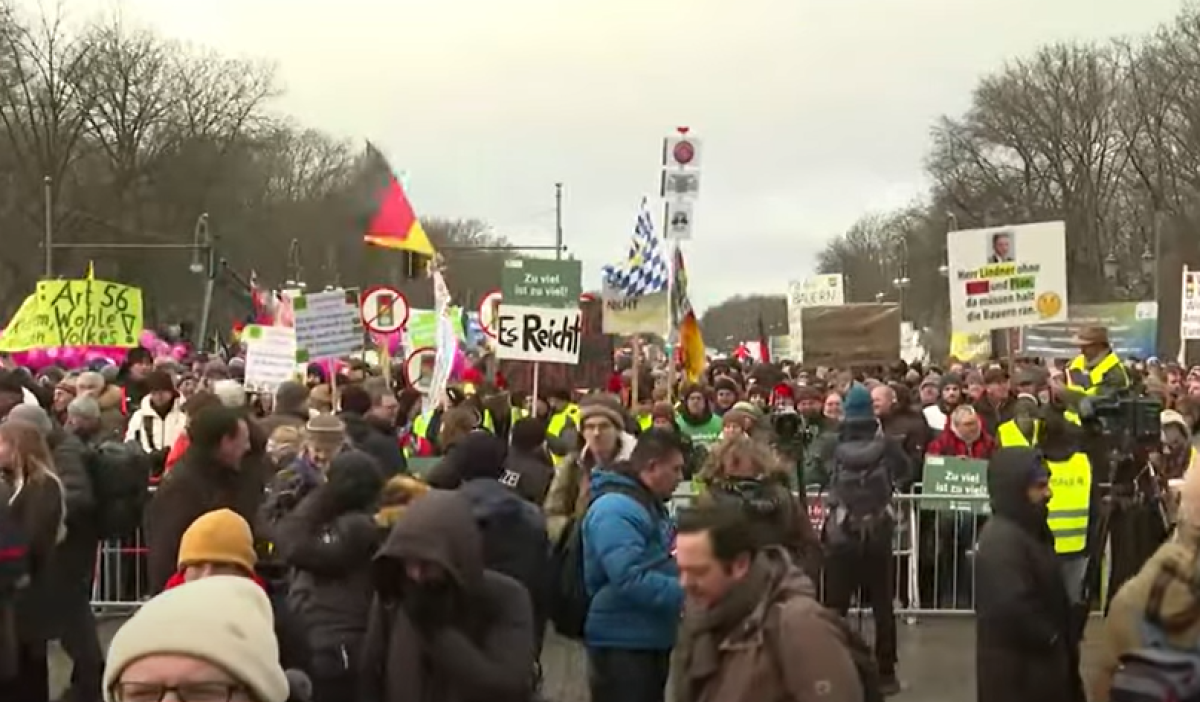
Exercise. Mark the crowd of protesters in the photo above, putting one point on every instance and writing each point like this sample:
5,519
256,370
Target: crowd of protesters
361,544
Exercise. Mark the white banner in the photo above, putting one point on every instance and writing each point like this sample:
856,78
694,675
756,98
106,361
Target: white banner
543,334
636,315
825,290
270,356
1004,277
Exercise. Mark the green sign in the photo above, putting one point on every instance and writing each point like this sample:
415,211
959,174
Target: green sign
541,282
954,485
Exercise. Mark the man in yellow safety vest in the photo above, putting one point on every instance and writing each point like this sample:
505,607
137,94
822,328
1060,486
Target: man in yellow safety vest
1070,508
1025,427
1097,372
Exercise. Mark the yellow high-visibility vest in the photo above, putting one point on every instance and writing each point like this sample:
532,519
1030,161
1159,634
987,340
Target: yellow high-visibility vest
1009,434
558,422
1080,379
1071,485
419,427
645,421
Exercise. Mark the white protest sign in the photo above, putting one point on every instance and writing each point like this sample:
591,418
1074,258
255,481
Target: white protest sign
270,356
634,315
328,325
1004,277
543,334
1189,316
825,290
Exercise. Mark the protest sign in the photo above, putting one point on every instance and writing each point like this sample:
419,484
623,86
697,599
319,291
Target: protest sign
328,325
270,356
851,335
634,315
547,335
85,312
1003,277
541,282
595,359
950,484
1132,330
826,290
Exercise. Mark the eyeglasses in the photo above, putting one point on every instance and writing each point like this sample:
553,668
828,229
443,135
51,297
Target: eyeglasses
186,692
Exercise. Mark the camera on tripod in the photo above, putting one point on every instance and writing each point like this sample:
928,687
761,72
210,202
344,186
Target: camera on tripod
1124,420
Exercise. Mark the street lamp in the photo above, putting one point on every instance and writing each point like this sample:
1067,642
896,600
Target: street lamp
201,242
1149,262
1110,267
901,283
944,270
879,296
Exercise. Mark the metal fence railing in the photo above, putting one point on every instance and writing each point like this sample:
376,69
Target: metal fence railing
933,550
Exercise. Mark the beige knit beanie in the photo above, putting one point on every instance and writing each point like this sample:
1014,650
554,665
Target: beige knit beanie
223,619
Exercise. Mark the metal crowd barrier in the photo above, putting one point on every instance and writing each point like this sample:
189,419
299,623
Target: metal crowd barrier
933,552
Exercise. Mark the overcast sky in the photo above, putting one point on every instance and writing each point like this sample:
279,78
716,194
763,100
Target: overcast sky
812,112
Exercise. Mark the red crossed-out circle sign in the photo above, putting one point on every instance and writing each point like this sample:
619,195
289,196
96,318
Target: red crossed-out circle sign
384,309
489,312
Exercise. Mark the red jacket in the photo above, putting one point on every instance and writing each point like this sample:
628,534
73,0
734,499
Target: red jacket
177,580
949,444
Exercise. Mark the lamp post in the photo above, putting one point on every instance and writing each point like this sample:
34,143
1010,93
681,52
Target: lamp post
295,267
902,284
202,242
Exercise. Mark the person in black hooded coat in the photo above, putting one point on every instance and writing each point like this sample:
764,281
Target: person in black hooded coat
328,540
1024,651
442,626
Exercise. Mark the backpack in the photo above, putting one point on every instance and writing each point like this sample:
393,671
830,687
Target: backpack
120,475
861,485
860,652
1158,671
568,597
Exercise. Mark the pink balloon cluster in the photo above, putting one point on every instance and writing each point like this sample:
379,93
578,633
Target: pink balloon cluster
158,348
69,357
73,357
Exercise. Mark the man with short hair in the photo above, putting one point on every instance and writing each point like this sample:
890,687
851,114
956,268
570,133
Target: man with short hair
369,412
83,419
629,572
12,392
753,614
210,476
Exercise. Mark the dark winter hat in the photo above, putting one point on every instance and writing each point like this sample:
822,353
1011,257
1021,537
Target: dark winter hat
856,406
950,380
159,381
726,383
480,454
602,405
690,389
808,393
355,479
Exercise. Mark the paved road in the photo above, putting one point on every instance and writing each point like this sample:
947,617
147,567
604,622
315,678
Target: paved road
937,662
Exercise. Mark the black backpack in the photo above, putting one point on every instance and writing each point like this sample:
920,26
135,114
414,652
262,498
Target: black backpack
1158,671
120,475
861,484
569,599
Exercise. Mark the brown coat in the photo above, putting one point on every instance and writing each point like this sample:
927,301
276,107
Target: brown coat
790,648
1121,628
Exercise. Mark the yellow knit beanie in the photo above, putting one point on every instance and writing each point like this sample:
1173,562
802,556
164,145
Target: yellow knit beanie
219,536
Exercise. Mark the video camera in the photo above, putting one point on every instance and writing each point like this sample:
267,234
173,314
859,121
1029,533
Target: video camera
1125,420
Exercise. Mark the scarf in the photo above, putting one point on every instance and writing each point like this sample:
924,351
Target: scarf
702,633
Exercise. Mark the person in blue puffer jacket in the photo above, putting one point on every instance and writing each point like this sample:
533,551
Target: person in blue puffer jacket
629,571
